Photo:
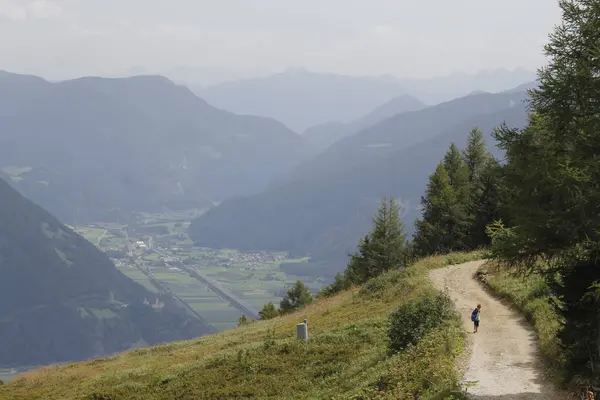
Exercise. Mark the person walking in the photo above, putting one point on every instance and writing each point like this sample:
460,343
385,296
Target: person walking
475,317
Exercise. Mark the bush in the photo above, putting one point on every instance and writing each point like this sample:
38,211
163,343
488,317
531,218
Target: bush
412,321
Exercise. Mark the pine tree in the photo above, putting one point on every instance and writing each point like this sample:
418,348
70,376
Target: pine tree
297,297
361,265
486,203
475,155
458,173
388,238
435,231
268,312
482,202
383,249
457,170
552,175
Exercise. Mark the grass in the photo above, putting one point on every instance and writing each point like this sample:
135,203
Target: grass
90,234
347,356
530,295
139,277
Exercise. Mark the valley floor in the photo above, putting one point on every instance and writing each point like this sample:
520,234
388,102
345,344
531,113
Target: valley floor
504,361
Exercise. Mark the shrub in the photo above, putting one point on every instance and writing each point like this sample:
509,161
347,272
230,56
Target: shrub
413,320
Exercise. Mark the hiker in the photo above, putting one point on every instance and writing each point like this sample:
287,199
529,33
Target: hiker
475,317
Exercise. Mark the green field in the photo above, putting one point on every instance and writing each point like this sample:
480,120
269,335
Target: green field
139,277
92,234
211,307
255,278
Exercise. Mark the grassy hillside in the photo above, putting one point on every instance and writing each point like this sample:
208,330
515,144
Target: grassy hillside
347,356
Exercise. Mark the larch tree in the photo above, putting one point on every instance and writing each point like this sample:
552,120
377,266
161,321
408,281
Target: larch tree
551,181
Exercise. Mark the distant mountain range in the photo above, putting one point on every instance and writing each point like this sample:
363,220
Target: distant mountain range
323,136
61,299
325,205
94,148
302,99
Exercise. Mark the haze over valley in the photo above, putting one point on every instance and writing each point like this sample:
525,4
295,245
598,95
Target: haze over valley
167,181
205,214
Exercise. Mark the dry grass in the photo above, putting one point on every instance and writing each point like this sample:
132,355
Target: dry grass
347,356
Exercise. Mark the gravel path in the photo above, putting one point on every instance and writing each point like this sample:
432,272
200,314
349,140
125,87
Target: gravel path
503,353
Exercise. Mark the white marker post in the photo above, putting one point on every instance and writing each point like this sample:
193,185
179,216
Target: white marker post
302,331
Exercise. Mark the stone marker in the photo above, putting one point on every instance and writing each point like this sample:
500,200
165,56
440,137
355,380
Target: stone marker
302,331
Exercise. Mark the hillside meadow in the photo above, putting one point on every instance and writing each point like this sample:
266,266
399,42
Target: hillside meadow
347,356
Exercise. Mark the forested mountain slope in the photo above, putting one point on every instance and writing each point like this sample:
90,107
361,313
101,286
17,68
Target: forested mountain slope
323,213
61,299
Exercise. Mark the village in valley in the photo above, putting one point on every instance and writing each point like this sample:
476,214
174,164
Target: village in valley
218,286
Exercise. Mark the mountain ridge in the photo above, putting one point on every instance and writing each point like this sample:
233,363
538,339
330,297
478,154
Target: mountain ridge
325,206
323,136
148,143
302,99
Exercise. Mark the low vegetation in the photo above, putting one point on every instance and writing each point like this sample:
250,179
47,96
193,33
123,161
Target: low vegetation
348,355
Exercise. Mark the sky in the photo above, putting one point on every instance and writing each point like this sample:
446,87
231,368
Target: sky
60,39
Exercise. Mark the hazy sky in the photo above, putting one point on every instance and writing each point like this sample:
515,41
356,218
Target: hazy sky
405,38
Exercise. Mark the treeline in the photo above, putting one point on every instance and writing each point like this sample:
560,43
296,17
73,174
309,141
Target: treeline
550,184
461,199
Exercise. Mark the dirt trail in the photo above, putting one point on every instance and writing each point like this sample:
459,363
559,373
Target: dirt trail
503,355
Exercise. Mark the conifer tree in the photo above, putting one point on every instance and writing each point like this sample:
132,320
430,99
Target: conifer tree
361,266
457,170
482,202
475,155
388,239
384,248
436,230
486,203
243,321
551,180
298,296
268,311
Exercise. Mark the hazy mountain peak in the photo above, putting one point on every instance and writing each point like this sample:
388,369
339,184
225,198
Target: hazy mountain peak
302,99
130,134
324,135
